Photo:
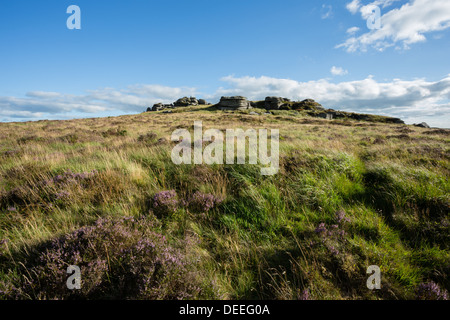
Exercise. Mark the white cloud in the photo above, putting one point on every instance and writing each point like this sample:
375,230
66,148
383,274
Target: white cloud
352,30
405,25
353,6
338,71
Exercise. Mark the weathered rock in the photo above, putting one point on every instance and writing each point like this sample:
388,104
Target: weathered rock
158,107
182,102
185,101
193,101
272,103
422,125
258,104
202,102
236,102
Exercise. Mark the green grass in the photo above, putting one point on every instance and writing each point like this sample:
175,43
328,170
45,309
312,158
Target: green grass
260,242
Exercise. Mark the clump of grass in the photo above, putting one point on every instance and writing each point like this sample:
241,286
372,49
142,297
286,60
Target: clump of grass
115,132
149,137
70,138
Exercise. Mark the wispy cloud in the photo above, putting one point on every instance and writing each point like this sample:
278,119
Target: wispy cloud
400,27
353,6
326,11
352,30
338,71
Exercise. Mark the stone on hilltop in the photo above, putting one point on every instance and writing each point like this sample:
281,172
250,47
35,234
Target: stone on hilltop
185,102
272,103
158,107
236,102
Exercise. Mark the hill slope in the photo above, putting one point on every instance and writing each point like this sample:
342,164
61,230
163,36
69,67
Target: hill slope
104,194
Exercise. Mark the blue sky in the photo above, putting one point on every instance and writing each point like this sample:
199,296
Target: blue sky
131,54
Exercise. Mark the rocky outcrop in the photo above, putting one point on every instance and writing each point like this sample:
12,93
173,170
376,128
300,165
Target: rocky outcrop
274,103
182,102
185,102
233,103
159,107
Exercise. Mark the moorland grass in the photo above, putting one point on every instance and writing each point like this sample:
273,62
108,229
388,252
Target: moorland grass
349,194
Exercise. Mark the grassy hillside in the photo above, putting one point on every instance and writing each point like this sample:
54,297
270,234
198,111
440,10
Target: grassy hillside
104,194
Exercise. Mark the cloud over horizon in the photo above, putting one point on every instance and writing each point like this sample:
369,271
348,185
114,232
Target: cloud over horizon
412,100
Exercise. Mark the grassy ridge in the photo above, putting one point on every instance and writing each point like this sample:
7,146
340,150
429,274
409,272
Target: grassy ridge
349,194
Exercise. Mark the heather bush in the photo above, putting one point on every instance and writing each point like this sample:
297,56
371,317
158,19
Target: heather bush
119,258
203,202
431,291
303,295
165,203
334,232
333,239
